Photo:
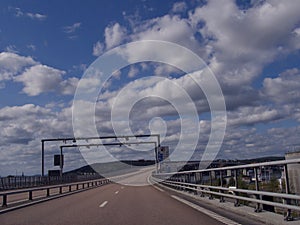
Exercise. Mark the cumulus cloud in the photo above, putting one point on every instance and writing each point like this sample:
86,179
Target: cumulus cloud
40,78
36,77
237,45
23,128
133,72
179,7
171,28
114,35
34,16
98,48
28,122
244,41
12,64
285,88
253,115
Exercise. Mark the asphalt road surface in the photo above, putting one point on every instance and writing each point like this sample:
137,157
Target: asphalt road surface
130,201
112,204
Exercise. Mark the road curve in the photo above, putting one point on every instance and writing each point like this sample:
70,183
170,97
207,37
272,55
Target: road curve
113,204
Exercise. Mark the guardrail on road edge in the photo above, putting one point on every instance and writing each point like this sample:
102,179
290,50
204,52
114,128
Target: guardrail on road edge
78,186
192,181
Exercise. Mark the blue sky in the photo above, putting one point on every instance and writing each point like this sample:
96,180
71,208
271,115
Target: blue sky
252,48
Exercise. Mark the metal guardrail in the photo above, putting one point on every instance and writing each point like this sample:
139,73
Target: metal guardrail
78,186
192,181
17,182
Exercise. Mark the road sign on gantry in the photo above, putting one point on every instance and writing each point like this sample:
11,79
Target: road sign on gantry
163,153
57,160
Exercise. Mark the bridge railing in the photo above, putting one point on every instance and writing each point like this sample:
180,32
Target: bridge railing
17,182
213,186
47,191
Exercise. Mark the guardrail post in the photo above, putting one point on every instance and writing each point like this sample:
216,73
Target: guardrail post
30,195
70,188
4,200
60,189
195,182
189,180
221,183
77,186
201,182
236,204
211,184
258,208
288,216
48,192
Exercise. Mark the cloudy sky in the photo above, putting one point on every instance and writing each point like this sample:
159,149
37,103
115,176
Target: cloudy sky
250,46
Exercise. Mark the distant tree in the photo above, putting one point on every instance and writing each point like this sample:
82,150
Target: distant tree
231,182
273,185
241,183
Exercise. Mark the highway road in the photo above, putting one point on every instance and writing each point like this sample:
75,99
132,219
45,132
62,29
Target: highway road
110,204
129,202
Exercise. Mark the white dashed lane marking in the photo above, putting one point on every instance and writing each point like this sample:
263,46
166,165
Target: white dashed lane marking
116,192
103,204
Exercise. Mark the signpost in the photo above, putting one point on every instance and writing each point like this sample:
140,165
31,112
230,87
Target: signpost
64,140
163,153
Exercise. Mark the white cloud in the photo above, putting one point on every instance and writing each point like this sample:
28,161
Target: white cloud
12,64
179,7
40,78
11,48
37,16
133,72
68,87
23,128
30,116
34,16
283,89
245,41
72,28
114,35
31,47
36,78
165,70
98,48
168,28
237,45
253,115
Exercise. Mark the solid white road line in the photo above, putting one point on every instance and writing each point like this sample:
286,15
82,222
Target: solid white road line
157,188
116,192
207,212
103,204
